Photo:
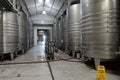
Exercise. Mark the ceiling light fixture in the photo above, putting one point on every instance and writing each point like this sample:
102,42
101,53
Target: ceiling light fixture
47,1
40,0
87,5
43,12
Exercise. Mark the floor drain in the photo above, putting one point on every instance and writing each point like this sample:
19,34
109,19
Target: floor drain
18,75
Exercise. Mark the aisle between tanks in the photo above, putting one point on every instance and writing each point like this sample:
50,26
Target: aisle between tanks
62,70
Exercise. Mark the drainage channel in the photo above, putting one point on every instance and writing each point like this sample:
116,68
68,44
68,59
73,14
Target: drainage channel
50,69
49,66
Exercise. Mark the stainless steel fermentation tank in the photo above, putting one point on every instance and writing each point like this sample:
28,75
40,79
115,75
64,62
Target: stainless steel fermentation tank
54,31
8,33
29,32
31,35
64,30
61,32
25,32
48,38
22,21
100,25
73,28
58,33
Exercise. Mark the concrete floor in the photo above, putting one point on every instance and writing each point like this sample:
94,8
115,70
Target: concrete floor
62,70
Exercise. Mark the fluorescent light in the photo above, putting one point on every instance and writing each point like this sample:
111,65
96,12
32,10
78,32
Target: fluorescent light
42,22
40,0
43,12
87,5
47,1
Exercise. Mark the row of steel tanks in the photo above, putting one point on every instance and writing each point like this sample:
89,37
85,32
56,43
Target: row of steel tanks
12,33
91,29
59,32
67,30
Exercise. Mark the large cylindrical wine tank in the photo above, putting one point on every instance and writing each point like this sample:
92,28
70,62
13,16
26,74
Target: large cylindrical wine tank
100,28
64,31
22,20
8,33
73,28
58,34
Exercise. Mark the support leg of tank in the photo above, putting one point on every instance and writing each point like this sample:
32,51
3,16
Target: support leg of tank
23,51
97,62
53,57
2,57
73,54
16,54
83,58
11,56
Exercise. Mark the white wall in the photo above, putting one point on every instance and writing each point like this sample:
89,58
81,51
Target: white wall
43,19
41,27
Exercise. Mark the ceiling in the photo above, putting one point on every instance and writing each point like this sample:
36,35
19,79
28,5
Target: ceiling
36,7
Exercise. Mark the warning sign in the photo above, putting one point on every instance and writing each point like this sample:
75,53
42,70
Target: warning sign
101,74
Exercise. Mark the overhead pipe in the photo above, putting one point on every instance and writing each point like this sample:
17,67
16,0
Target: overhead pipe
7,5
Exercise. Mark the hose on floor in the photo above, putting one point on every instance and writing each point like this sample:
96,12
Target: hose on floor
15,63
34,62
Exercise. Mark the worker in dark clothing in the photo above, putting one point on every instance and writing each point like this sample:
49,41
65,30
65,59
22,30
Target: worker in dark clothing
50,50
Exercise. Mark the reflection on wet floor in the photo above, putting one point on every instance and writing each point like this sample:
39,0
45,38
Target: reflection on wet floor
37,53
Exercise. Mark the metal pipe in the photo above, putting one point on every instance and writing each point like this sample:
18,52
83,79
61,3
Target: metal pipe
26,8
14,3
52,6
59,10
